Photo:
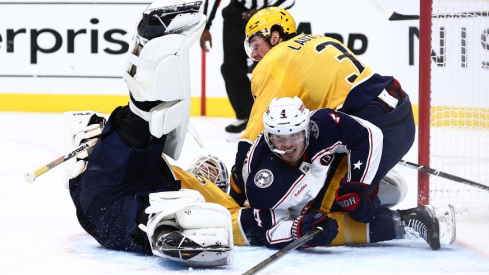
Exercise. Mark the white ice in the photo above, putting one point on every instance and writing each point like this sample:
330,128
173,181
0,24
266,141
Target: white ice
41,235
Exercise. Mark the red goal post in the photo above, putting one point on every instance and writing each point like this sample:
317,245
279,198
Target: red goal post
453,133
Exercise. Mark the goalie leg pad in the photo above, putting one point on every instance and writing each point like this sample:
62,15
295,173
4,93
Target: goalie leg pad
206,236
158,68
162,201
164,205
205,215
203,237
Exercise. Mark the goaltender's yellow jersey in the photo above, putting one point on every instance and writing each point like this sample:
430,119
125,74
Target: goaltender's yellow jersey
320,70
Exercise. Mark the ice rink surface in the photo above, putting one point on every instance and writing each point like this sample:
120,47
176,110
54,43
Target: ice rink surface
40,233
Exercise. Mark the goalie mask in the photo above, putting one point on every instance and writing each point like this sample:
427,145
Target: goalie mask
157,72
286,122
213,169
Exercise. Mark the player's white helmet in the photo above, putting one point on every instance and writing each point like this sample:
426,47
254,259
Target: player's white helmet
212,168
286,116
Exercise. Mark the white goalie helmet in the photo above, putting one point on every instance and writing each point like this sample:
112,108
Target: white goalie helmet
285,116
212,168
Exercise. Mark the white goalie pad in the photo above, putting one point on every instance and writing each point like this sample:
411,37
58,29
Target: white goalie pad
205,226
162,69
393,189
161,201
172,114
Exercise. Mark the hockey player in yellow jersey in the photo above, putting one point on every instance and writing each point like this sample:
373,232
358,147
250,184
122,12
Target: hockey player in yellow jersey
320,70
293,68
323,73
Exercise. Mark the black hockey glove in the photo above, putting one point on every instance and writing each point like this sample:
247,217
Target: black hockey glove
307,223
352,198
237,187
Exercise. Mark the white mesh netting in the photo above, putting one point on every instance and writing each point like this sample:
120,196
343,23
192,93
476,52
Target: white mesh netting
459,136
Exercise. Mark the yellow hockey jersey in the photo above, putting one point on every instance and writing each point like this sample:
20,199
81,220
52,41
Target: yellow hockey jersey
320,70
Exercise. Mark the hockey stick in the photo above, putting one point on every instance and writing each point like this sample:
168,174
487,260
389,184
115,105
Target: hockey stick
442,174
31,176
390,13
193,132
279,254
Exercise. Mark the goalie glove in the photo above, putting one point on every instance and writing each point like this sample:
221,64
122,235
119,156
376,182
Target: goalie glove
80,127
308,223
352,198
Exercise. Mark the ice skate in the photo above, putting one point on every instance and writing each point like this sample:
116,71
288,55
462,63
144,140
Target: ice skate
195,249
422,222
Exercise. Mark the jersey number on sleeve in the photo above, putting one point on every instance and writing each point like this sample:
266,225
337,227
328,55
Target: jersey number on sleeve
344,54
256,214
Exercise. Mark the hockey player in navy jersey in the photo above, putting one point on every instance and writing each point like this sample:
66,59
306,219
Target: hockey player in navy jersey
286,178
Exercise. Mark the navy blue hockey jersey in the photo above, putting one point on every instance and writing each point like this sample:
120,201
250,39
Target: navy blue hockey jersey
278,193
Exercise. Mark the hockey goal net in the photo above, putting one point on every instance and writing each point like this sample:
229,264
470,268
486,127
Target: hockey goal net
454,102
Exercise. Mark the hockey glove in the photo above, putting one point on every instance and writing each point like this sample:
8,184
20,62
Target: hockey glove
352,198
80,127
308,223
237,187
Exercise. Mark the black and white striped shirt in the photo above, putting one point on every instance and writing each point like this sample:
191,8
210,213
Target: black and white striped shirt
246,4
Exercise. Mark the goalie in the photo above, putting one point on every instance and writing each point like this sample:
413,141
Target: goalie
126,195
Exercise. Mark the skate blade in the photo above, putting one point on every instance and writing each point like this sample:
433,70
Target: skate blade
446,218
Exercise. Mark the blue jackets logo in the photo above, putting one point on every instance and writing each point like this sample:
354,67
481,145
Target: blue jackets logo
314,129
263,178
